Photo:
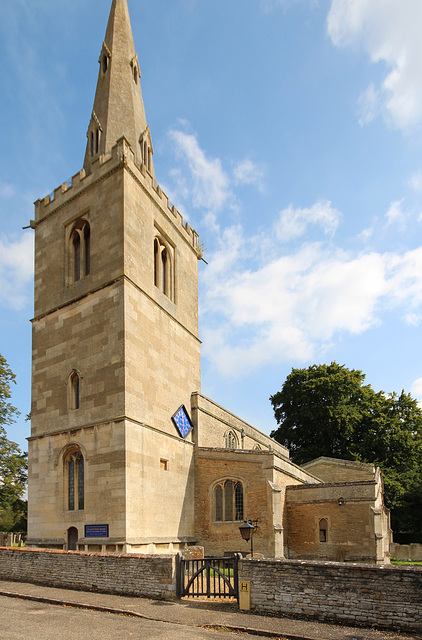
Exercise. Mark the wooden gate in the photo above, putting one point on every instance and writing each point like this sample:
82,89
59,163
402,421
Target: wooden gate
209,577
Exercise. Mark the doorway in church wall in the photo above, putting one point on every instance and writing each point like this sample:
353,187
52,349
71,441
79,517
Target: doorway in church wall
72,538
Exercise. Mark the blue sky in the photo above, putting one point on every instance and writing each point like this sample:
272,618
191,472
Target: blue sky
288,132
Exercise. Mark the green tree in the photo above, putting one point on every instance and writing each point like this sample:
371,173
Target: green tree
328,410
13,462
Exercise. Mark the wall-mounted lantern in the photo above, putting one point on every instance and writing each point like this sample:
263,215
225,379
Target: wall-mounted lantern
247,529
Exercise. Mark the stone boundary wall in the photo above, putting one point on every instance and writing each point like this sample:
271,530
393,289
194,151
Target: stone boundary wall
357,594
405,552
149,576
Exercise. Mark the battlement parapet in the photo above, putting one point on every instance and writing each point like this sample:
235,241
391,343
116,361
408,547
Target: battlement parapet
121,154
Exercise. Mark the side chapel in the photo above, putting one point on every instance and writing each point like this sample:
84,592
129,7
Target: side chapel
126,455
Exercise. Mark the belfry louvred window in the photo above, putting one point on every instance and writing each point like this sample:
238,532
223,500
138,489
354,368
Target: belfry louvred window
80,250
163,268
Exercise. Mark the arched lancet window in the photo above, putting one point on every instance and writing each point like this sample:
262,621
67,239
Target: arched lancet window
80,250
87,241
76,244
231,440
75,479
323,530
228,501
163,268
146,146
91,143
97,141
74,390
105,63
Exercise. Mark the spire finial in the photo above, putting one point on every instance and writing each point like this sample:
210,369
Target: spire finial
118,106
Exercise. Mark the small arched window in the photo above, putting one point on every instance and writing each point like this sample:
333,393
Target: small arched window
231,440
105,62
163,272
75,478
75,390
323,530
80,250
228,501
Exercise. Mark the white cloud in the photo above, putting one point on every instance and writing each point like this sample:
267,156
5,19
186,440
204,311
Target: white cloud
389,32
295,306
395,214
247,172
209,185
16,271
416,390
415,181
369,105
293,223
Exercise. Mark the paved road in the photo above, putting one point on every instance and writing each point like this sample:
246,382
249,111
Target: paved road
26,620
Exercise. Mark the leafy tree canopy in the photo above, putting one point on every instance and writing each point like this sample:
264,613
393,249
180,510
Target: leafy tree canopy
328,410
13,462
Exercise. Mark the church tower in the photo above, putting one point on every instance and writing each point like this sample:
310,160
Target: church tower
116,352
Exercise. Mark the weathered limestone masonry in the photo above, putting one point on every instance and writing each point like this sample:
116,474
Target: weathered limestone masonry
384,596
136,575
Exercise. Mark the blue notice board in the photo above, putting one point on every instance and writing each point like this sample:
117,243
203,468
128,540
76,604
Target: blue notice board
96,531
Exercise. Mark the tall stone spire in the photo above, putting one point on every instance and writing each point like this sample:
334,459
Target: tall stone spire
118,106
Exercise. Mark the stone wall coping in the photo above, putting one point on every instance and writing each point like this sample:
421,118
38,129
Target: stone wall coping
322,485
311,564
150,556
341,463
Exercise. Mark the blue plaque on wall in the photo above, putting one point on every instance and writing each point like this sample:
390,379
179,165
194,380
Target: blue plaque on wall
96,531
182,421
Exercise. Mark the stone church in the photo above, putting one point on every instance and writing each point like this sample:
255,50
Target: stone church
126,455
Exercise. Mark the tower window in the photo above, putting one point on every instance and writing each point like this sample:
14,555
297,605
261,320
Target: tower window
80,251
97,141
76,242
146,150
74,391
163,272
91,143
105,63
75,476
228,501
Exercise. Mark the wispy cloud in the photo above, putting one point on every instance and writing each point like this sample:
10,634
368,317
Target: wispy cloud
415,181
248,172
293,223
395,215
389,32
16,270
209,184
